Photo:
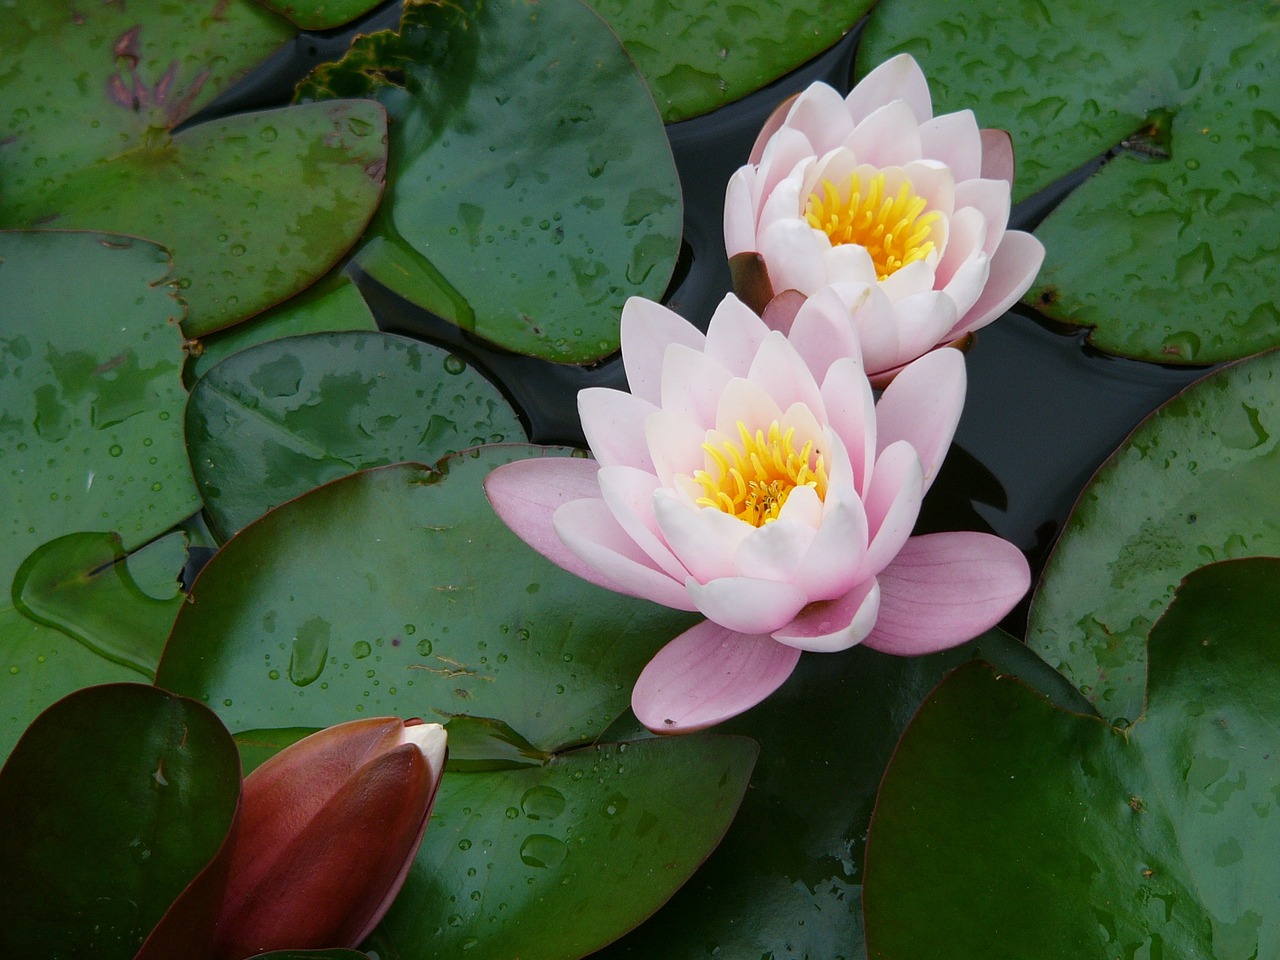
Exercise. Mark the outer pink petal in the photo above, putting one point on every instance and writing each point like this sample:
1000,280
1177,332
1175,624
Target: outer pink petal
993,199
692,383
954,139
747,604
647,328
740,213
899,78
819,113
527,493
922,406
772,124
822,331
892,504
1013,269
830,567
888,137
734,335
590,531
851,412
628,493
923,320
997,156
793,255
946,588
614,424
966,241
706,675
834,625
786,150
783,374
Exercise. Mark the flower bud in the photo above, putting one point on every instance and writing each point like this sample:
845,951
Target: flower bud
329,828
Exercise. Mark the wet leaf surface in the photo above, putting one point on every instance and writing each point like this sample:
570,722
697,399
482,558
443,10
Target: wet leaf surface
320,14
1193,484
1069,837
531,188
281,418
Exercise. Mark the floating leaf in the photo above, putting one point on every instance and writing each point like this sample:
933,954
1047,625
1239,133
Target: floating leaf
398,591
1008,828
1193,484
788,876
1168,252
320,14
278,419
253,207
115,799
551,862
90,410
531,189
699,55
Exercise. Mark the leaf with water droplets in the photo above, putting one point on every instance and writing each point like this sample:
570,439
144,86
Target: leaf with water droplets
320,14
531,187
283,417
124,794
1194,483
1000,812
253,207
1168,252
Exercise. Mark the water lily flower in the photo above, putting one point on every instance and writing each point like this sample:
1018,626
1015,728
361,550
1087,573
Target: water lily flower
904,211
751,476
329,827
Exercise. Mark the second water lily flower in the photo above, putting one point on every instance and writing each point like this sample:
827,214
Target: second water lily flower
751,476
329,828
904,211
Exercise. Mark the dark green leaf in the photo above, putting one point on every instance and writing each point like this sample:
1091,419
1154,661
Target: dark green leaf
281,418
320,14
1007,828
1193,484
531,189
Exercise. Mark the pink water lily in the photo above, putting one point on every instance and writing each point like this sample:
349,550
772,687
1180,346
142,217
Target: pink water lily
904,212
751,476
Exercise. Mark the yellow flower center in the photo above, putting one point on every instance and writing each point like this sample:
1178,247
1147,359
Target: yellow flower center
891,228
753,477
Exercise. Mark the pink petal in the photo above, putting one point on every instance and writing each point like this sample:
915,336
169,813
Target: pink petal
590,531
876,324
997,156
780,312
772,124
820,114
784,202
526,494
851,413
888,137
734,335
992,198
707,675
849,263
830,567
785,152
966,238
647,329
923,320
946,588
773,551
793,253
922,406
675,445
954,139
628,493
834,625
740,213
892,504
747,604
704,540
781,372
614,424
823,332
1013,269
746,402
899,78
692,383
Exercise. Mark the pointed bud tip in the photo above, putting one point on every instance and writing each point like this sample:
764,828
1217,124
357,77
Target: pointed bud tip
431,740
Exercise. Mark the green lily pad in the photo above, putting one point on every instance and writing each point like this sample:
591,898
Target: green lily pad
320,14
1169,251
83,612
1193,484
331,304
90,410
281,418
115,800
253,207
398,591
699,55
787,879
551,862
531,188
1008,828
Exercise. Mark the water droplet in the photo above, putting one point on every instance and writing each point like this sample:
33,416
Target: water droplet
512,813
615,806
454,364
115,450
273,674
540,850
310,650
360,650
410,629
268,134
424,647
542,803
237,249
464,844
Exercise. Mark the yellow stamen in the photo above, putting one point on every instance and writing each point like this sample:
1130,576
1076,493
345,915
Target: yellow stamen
890,228
751,479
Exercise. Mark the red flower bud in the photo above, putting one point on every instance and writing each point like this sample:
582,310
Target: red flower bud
329,828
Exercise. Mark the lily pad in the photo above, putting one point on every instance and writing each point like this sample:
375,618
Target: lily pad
1008,828
320,14
253,207
281,418
1168,253
123,794
701,54
91,392
1194,483
787,879
331,304
531,188
551,862
398,591
83,612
